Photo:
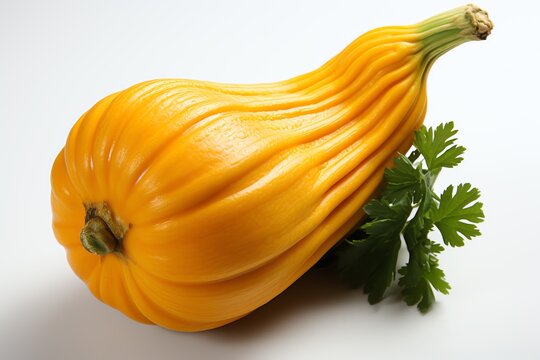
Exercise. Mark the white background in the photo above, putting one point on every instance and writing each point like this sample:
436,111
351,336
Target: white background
57,58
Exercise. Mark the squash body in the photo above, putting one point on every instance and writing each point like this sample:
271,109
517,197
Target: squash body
226,194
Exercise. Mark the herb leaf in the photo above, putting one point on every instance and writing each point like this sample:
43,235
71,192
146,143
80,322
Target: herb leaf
401,180
455,217
371,260
368,258
437,146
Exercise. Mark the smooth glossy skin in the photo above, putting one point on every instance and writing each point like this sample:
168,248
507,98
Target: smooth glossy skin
232,192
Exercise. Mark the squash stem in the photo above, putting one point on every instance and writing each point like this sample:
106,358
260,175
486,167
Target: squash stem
471,22
97,238
102,232
445,31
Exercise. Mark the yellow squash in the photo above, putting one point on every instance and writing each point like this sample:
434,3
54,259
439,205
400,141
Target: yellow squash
189,204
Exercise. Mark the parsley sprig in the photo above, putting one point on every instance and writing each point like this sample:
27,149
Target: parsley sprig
409,209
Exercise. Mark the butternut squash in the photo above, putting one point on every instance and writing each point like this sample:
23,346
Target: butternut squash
189,204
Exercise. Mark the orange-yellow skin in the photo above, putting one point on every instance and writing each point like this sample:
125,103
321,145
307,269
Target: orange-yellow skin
232,192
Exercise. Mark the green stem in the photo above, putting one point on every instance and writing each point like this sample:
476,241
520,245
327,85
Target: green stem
471,23
97,238
445,31
102,232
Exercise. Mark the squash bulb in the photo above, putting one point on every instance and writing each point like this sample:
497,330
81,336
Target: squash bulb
189,204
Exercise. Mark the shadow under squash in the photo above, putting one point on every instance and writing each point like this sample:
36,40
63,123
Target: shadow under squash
64,321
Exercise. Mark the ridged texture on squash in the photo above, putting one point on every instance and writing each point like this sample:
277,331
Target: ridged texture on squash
232,192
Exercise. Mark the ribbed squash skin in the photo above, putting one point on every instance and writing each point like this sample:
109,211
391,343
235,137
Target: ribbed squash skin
232,192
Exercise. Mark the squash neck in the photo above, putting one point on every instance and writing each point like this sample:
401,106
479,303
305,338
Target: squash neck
471,22
447,30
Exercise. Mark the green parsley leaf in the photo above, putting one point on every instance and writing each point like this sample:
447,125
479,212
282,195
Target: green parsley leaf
421,275
371,262
436,146
409,209
388,219
416,288
382,275
372,266
401,180
455,217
